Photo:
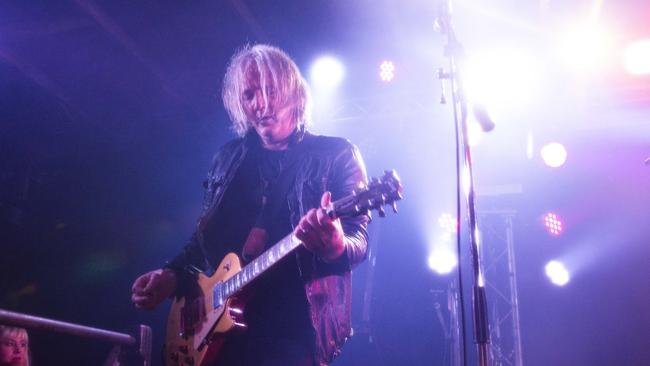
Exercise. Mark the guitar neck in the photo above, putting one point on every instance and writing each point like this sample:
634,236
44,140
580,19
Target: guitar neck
255,268
375,195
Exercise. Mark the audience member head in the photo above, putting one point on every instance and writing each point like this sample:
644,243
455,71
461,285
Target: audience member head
14,346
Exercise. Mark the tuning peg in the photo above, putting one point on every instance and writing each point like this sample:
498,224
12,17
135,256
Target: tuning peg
381,211
394,206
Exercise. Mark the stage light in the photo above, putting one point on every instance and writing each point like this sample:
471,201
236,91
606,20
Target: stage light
553,154
448,223
326,73
553,224
557,273
586,48
474,133
387,71
442,261
501,78
637,58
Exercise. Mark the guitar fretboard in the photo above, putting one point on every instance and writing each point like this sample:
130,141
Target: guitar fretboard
254,269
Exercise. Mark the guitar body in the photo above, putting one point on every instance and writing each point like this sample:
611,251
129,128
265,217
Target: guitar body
195,328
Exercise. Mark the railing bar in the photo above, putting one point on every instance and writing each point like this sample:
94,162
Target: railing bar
29,321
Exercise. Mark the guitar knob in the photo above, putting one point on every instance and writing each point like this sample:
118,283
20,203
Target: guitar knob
183,349
174,357
189,360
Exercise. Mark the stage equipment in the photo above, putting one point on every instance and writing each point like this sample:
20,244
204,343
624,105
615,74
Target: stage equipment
453,50
498,258
127,349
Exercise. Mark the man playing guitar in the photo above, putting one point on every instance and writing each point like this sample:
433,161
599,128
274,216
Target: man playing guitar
274,179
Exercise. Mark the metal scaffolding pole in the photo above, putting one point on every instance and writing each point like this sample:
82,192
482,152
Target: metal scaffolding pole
501,284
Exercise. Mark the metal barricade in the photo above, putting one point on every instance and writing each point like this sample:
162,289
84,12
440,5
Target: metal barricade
123,344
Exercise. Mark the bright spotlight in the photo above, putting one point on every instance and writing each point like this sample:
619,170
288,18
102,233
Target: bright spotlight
557,273
442,261
327,72
502,77
448,223
586,48
553,224
387,71
553,154
637,57
474,134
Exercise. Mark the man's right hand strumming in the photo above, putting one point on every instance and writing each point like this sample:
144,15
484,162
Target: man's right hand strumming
152,288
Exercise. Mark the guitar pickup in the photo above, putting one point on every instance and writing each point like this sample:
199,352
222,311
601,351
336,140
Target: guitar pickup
191,313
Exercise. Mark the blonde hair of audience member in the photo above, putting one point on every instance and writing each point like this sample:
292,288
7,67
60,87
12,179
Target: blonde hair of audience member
14,346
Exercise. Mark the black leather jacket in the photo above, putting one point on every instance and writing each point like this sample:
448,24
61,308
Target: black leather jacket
325,164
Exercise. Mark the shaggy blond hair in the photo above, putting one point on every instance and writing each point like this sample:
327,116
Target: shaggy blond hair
20,333
274,66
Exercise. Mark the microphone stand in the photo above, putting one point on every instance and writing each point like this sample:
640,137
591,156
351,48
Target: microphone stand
454,52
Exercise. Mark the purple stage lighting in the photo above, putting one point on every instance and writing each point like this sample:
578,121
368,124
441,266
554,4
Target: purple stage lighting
387,71
553,223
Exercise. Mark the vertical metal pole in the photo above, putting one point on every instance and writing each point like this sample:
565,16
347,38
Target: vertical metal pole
454,325
514,296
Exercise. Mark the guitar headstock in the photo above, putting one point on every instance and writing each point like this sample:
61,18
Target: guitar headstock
378,193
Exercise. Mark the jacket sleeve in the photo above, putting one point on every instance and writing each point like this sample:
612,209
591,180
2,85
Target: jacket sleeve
348,174
189,262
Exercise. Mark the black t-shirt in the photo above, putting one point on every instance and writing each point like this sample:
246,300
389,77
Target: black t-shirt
257,196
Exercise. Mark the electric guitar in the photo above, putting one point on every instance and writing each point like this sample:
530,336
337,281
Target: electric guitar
198,320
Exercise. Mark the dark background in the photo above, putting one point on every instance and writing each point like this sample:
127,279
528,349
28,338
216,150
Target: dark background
110,112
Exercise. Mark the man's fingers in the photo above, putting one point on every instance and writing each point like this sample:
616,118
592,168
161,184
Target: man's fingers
311,220
153,277
323,220
139,284
141,301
